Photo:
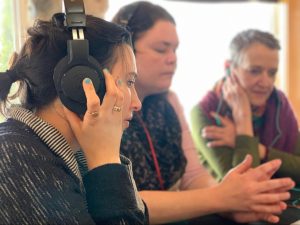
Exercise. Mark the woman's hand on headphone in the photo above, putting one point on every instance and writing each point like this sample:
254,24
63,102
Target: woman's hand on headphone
99,132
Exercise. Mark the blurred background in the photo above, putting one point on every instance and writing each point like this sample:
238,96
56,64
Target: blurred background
205,29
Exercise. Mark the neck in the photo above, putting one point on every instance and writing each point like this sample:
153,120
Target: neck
258,110
54,115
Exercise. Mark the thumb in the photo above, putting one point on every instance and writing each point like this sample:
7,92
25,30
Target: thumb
243,166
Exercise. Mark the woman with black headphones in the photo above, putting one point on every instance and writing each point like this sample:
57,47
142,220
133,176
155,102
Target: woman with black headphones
58,115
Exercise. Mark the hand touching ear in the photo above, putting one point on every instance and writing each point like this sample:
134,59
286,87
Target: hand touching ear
237,99
99,133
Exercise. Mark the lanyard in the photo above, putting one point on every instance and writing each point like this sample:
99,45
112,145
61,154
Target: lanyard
153,153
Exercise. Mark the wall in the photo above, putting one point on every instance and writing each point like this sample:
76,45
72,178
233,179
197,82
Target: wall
293,54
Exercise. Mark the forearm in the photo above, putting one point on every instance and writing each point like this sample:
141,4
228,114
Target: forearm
290,164
166,207
116,200
218,159
245,145
290,161
203,181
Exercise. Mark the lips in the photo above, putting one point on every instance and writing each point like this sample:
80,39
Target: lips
168,73
261,93
128,119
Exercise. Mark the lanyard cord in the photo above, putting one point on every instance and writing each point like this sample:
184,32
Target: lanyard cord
153,153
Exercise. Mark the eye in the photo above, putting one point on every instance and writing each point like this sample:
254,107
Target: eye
160,50
131,82
255,71
272,73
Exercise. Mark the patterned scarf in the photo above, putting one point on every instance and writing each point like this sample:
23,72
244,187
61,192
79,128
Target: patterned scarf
279,128
163,125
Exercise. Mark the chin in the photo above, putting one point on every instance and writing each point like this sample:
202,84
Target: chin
258,103
125,125
163,89
165,85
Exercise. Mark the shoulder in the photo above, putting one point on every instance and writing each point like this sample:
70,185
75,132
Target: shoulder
172,96
199,119
174,101
14,134
281,96
281,100
21,146
197,112
17,133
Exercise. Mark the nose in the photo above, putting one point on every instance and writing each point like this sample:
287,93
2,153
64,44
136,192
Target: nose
266,79
136,104
171,57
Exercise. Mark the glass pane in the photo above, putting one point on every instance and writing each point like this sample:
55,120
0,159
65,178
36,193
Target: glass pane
6,33
205,30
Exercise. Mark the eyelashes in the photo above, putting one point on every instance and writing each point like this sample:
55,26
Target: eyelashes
131,82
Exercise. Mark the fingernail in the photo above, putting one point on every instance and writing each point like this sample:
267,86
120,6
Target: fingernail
87,80
105,70
246,157
218,121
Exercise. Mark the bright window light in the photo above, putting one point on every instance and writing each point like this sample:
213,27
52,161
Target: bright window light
205,30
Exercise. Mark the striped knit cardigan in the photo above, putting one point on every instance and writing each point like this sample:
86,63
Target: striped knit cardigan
41,182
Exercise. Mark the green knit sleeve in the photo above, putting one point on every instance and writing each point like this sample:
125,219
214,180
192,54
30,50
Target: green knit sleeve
217,160
220,160
290,162
244,145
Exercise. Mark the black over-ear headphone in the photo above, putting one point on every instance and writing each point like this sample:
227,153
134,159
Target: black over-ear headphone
78,64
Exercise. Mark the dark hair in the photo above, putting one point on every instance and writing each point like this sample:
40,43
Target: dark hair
45,47
140,16
246,38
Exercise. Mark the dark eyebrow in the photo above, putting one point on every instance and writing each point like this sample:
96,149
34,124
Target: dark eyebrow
168,44
165,43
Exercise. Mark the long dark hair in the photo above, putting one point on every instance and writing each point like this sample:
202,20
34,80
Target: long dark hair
45,46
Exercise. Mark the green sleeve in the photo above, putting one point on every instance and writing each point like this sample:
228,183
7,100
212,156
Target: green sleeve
220,160
290,162
246,145
217,160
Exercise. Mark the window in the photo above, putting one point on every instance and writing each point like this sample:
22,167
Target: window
6,33
205,30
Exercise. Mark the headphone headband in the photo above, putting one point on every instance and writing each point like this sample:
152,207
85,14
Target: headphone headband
78,63
75,14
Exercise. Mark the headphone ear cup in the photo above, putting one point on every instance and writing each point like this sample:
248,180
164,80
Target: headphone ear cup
68,83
